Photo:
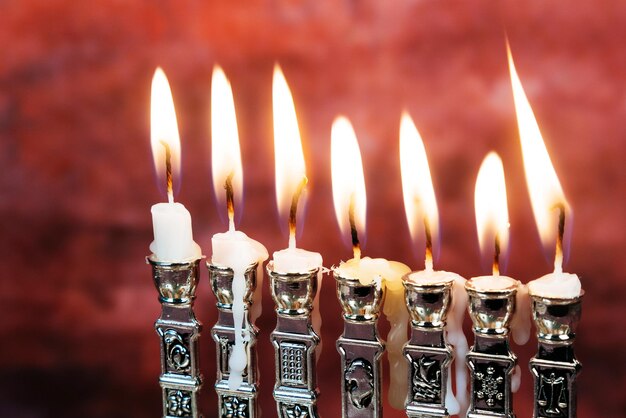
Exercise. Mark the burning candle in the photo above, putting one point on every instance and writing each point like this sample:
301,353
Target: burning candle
232,249
291,177
492,223
295,274
291,181
171,222
551,210
350,208
422,215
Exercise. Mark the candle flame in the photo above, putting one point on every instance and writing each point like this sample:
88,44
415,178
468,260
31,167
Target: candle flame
225,151
492,215
164,136
289,158
550,208
420,203
348,181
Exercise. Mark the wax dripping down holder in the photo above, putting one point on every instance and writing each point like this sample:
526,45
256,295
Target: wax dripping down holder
234,403
427,351
555,367
178,330
360,348
490,360
294,341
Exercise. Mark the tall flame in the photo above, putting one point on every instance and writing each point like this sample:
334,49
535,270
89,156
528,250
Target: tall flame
492,215
164,136
225,151
420,203
349,196
550,207
289,158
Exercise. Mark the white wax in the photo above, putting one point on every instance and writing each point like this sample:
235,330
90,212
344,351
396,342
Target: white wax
297,260
173,237
520,324
388,274
236,250
556,285
486,283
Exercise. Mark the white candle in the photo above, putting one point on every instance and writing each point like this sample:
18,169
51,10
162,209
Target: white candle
235,250
556,285
173,238
232,249
171,222
387,274
550,207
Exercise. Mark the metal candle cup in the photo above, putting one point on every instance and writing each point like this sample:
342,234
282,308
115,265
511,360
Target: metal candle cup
360,348
178,330
490,360
245,397
555,367
294,341
427,351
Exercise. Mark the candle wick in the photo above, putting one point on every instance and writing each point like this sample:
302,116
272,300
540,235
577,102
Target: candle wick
168,172
293,210
356,245
558,254
496,257
230,201
428,260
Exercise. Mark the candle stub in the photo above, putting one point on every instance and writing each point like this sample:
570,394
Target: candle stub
296,260
389,275
487,283
173,237
236,250
556,285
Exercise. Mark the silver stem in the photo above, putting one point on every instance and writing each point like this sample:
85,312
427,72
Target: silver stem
242,401
360,348
178,330
490,360
427,351
294,341
555,367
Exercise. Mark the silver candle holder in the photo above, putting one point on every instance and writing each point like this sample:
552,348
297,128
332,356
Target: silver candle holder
427,350
360,348
294,341
178,330
555,367
241,401
490,360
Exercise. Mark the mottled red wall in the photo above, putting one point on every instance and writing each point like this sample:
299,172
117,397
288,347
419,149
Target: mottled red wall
76,187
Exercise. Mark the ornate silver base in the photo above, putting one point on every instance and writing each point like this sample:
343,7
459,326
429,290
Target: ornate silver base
294,341
490,360
178,330
427,351
243,401
360,348
555,367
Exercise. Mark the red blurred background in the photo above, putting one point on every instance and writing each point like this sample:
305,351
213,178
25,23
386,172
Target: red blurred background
78,303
